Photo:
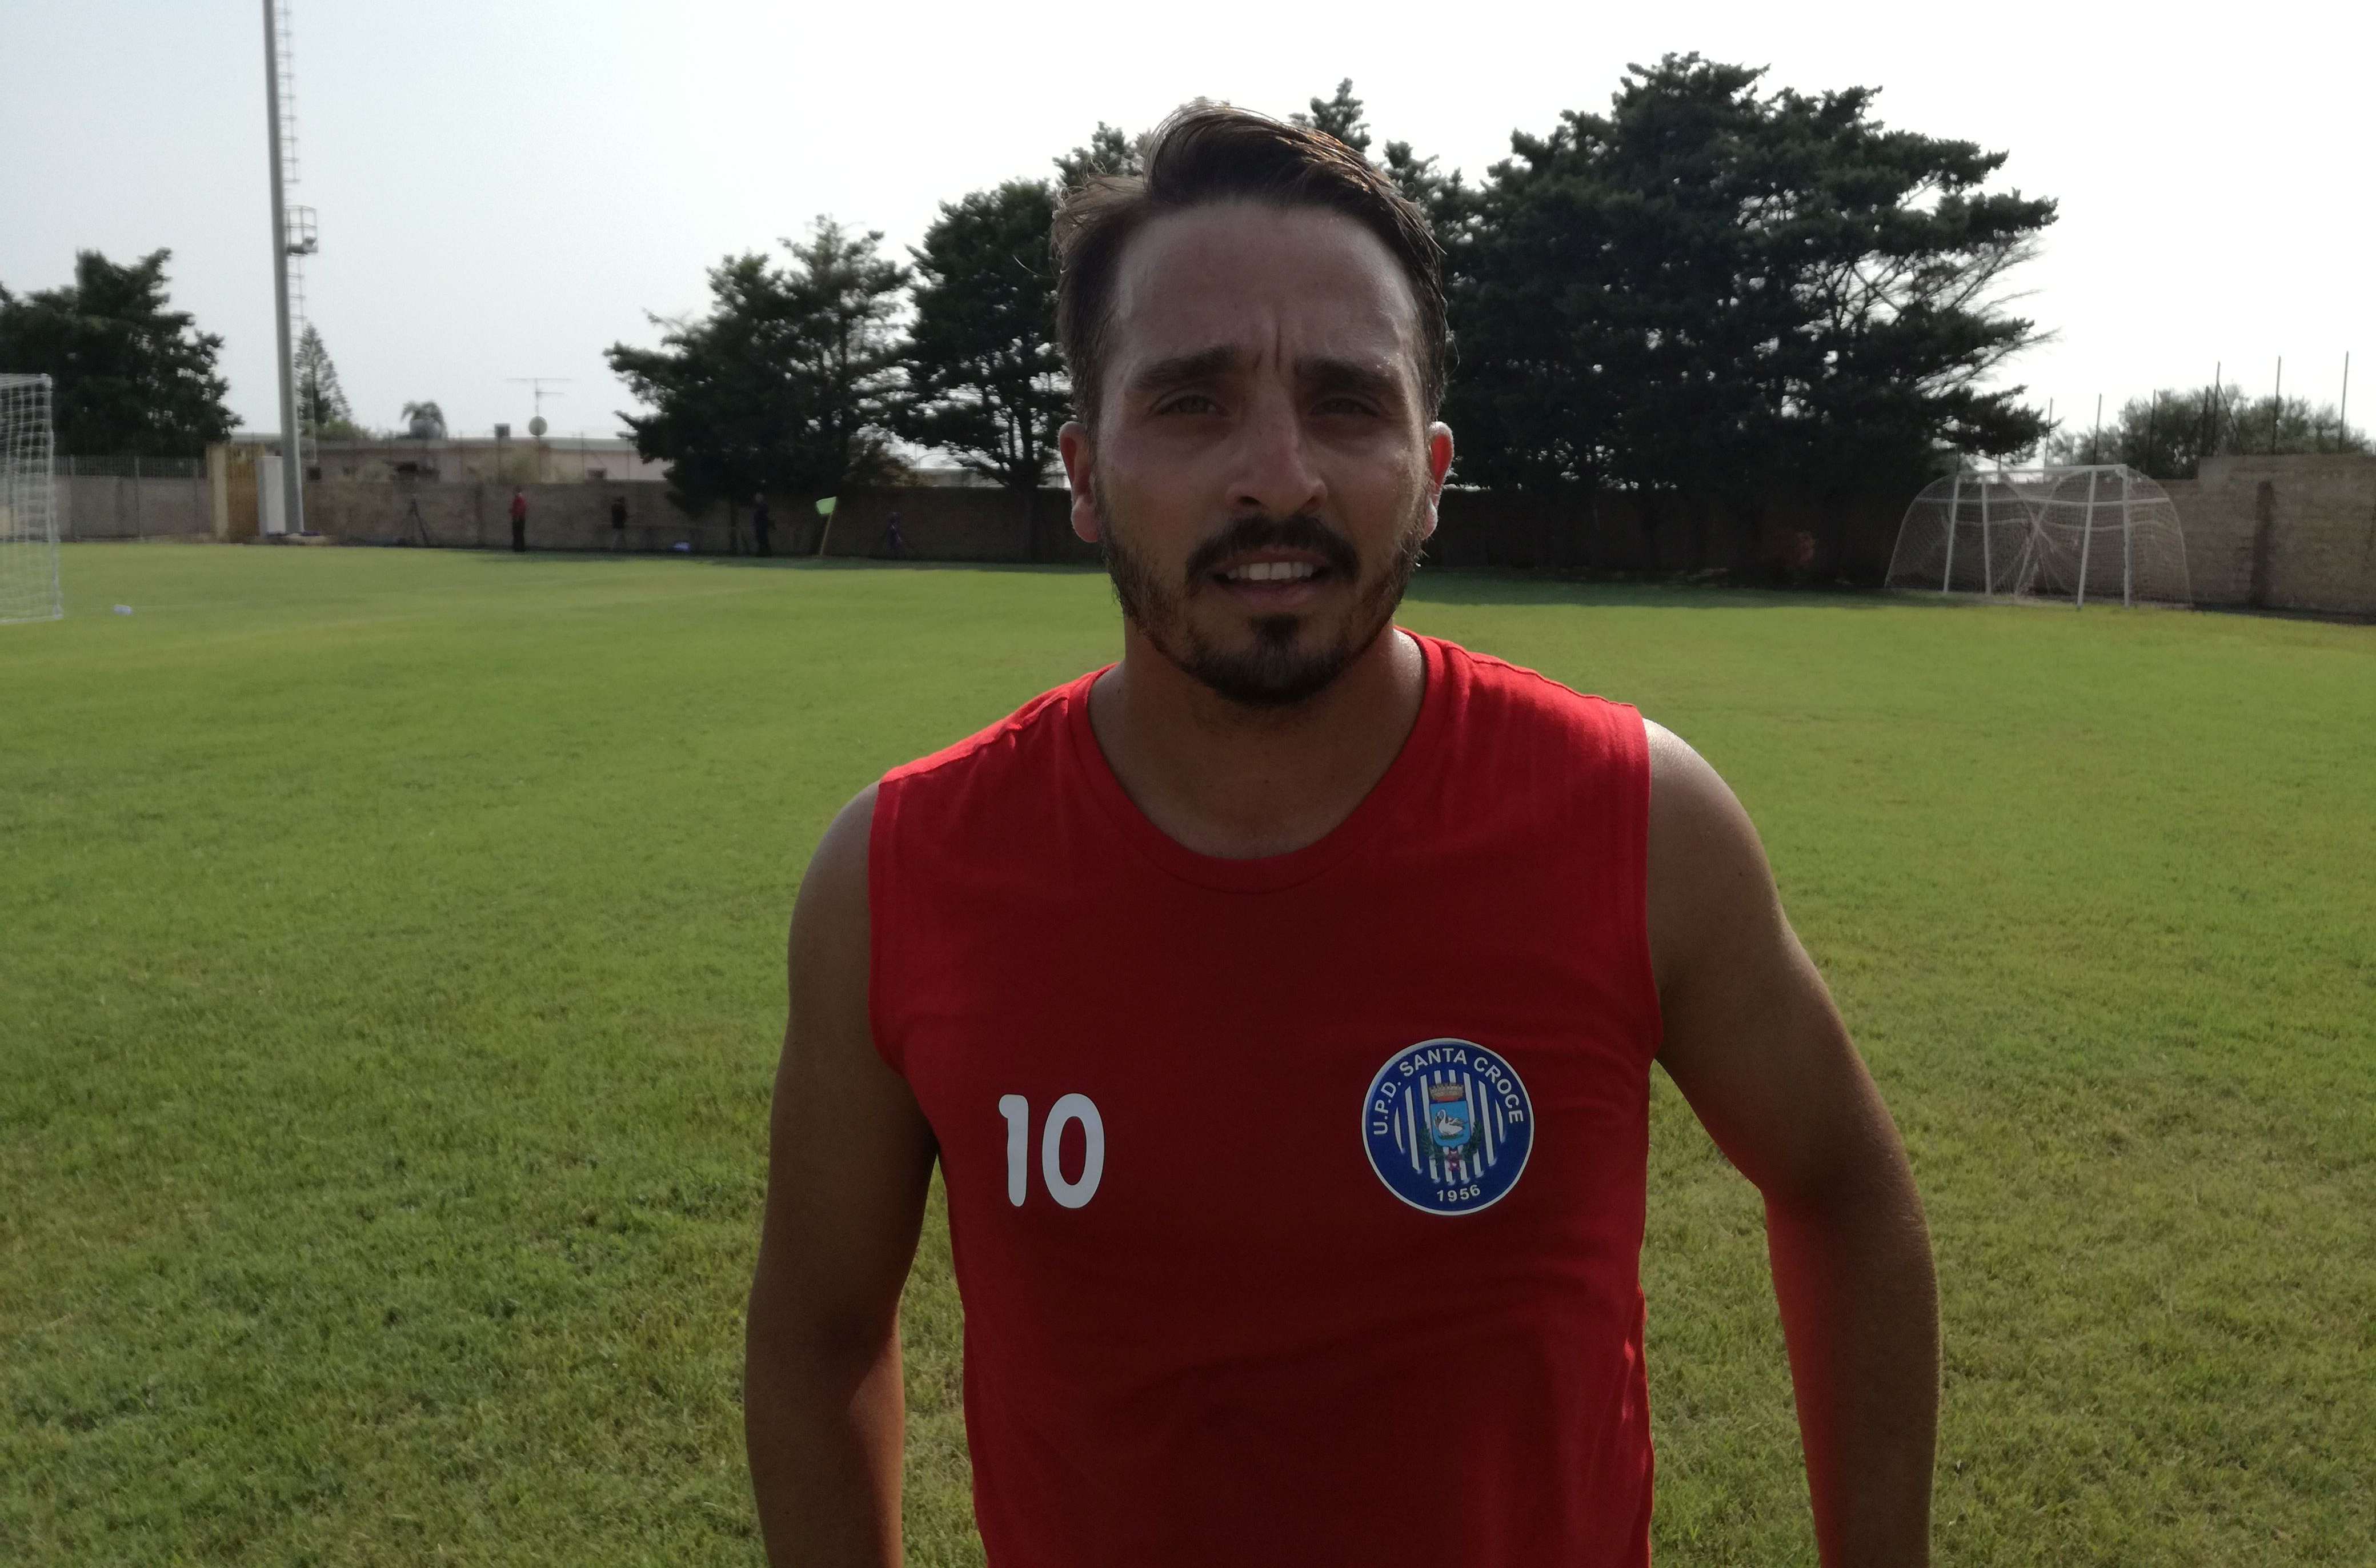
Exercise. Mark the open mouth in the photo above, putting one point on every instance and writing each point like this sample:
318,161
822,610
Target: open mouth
1271,572
1272,565
1272,583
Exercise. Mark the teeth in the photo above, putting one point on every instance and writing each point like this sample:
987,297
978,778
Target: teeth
1274,572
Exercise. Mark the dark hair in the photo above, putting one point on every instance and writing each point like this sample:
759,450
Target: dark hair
1208,152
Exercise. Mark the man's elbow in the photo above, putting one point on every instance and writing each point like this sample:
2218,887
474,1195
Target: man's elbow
1861,1181
798,1346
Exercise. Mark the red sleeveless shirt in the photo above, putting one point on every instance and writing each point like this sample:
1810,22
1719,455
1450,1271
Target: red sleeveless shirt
1296,1201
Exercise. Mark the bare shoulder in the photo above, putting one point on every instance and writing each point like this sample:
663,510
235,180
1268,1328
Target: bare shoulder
830,914
1685,793
831,948
835,879
856,1196
1750,1034
1711,891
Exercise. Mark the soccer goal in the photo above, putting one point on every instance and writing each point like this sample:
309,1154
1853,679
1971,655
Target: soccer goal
28,517
2104,531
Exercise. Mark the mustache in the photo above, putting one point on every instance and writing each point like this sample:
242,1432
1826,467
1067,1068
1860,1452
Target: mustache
1301,531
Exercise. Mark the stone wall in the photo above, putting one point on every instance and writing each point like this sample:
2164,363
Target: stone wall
2279,533
101,507
2282,533
935,524
1608,533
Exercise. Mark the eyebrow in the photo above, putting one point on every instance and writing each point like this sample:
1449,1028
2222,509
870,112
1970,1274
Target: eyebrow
1326,373
1333,376
1185,370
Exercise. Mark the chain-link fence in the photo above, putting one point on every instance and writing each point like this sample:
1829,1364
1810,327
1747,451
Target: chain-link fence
107,498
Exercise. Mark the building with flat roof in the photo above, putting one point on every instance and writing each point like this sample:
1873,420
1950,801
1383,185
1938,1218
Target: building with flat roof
507,459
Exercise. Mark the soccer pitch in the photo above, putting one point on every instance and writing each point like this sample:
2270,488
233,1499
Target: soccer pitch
391,982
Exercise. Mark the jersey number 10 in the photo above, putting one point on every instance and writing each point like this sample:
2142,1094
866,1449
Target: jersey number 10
1072,1108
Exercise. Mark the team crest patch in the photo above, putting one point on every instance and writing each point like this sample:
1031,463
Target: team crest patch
1448,1126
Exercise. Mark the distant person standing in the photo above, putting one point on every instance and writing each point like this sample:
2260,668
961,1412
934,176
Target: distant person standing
618,522
520,521
894,538
760,523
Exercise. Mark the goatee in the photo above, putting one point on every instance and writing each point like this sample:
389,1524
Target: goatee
1276,669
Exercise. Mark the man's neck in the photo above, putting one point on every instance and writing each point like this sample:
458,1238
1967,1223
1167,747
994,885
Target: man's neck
1236,783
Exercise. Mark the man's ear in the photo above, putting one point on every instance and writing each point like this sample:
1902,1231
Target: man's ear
1439,470
1072,444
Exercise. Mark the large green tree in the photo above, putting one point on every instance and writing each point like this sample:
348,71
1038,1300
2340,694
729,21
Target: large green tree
984,379
130,376
1721,290
786,385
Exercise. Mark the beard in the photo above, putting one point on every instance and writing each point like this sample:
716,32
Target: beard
1289,660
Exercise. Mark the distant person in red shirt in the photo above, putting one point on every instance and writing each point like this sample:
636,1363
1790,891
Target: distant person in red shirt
519,520
1280,1003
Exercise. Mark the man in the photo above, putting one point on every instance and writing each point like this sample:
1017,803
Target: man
519,520
760,522
618,522
1280,1003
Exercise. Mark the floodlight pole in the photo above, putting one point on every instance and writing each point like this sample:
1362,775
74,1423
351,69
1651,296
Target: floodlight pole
1955,516
292,488
2087,537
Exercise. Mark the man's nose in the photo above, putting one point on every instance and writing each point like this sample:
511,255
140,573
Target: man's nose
1276,475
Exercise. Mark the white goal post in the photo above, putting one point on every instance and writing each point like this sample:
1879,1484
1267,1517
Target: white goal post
2103,531
29,513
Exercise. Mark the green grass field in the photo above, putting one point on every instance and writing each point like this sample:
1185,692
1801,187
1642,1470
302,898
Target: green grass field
390,984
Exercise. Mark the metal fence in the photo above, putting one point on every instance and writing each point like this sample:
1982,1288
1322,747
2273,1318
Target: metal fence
109,497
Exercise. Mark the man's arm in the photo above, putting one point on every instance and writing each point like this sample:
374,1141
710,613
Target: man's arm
824,1407
1753,1041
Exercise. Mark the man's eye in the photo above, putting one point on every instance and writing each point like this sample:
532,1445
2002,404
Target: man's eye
1346,405
1188,403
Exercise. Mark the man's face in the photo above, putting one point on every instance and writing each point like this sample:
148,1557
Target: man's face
1262,472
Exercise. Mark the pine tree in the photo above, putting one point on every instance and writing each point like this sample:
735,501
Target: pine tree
321,407
1107,152
1341,116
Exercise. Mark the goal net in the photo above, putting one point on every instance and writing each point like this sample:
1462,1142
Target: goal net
2104,532
28,518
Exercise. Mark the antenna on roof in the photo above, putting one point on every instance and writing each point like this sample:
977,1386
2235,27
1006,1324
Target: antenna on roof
535,425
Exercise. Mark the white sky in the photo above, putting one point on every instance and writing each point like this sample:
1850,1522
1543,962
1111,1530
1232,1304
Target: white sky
506,189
